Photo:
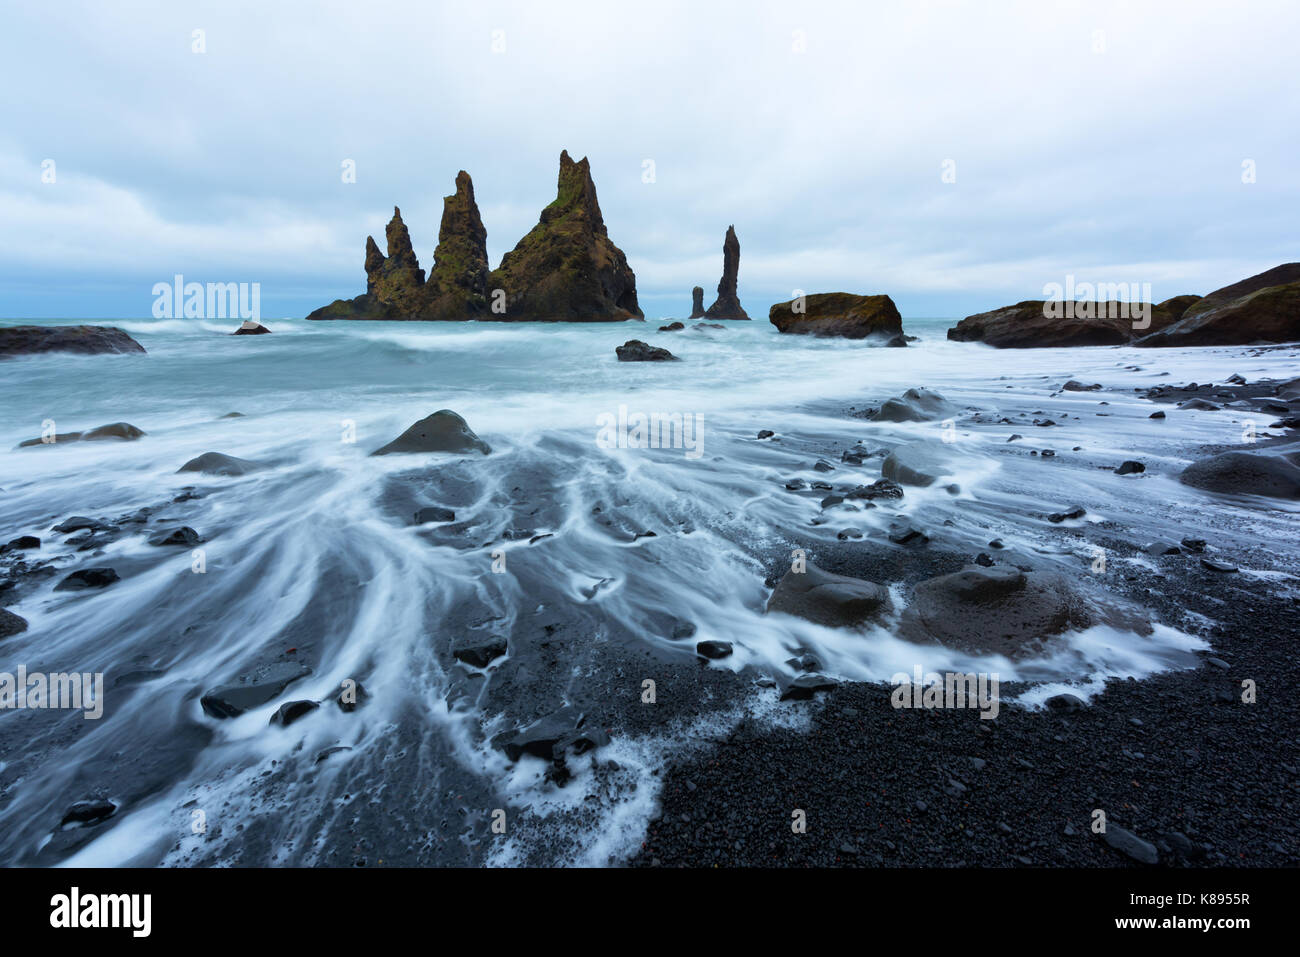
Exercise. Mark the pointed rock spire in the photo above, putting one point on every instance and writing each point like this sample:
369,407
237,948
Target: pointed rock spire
458,281
566,268
727,305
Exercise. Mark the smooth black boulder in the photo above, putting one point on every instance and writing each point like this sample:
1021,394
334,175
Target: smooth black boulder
21,543
713,649
914,405
443,431
291,711
1246,473
835,601
434,514
123,431
250,328
634,350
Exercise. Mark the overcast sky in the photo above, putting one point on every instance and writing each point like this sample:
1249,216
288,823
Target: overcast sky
1102,140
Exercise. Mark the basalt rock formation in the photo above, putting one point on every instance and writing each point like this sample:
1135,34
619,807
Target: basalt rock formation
838,314
1036,323
86,340
567,269
458,283
1263,308
697,303
727,305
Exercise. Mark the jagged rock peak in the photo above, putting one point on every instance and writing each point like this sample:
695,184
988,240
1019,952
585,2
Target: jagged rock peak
400,252
727,305
458,279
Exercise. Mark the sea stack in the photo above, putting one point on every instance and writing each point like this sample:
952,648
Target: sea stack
697,303
457,287
566,269
727,305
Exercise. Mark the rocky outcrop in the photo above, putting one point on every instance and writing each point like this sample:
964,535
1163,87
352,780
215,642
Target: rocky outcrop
567,269
11,624
444,431
1263,308
727,305
840,314
457,287
85,340
250,327
395,284
1039,324
634,350
697,303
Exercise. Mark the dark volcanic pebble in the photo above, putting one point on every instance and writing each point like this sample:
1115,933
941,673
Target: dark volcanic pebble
87,578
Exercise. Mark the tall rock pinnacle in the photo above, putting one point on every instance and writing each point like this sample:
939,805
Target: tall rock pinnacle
566,268
457,286
727,305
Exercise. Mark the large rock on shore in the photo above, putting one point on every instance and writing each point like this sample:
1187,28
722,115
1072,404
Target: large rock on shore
218,463
998,610
835,601
840,314
444,431
567,269
84,340
1247,473
697,303
727,305
634,350
1036,323
1263,308
11,624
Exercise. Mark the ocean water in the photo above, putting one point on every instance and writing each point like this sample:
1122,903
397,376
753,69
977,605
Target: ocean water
315,559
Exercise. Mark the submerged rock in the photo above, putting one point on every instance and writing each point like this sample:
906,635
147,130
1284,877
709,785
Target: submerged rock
727,305
218,463
1246,473
11,624
836,601
179,536
914,405
673,327
250,328
443,431
121,431
917,463
634,350
84,340
841,314
229,701
88,578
